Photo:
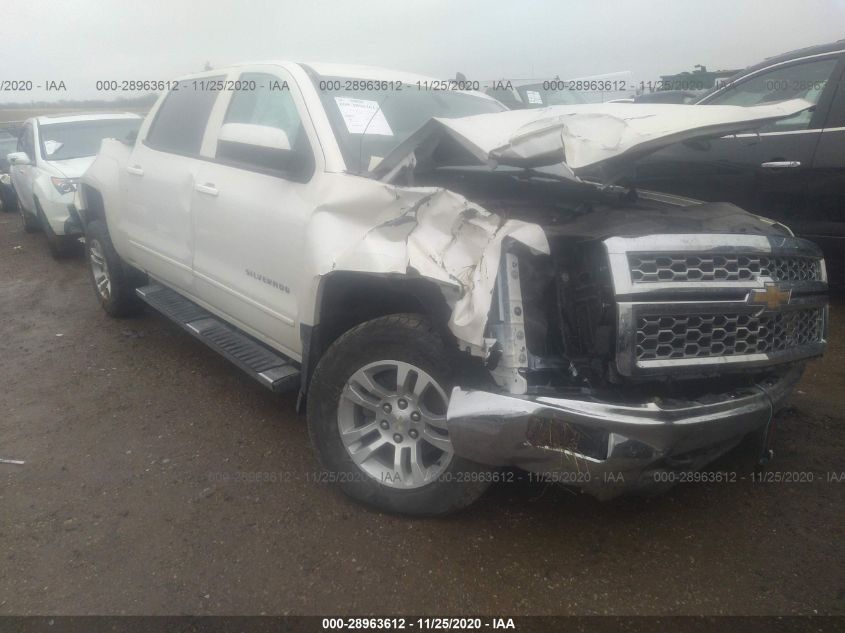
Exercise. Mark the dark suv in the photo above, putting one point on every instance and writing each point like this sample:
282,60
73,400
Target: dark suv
8,144
793,169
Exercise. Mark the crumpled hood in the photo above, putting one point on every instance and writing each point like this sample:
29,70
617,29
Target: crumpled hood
585,136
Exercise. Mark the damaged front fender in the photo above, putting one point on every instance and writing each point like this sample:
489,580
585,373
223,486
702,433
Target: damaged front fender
420,231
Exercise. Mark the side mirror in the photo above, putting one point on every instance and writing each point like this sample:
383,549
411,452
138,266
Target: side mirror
18,158
255,135
264,148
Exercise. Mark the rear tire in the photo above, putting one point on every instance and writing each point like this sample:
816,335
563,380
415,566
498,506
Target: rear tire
403,461
114,282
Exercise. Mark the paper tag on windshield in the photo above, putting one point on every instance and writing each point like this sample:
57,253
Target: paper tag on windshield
534,97
51,147
363,116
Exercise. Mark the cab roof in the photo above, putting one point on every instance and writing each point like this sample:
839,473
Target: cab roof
356,71
329,69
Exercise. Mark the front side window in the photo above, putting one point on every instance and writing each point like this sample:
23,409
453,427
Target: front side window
262,129
797,81
179,125
75,139
265,100
370,119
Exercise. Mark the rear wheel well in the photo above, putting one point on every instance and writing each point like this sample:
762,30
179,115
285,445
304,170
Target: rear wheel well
95,211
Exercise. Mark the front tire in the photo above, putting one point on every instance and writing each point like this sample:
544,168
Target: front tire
377,418
114,282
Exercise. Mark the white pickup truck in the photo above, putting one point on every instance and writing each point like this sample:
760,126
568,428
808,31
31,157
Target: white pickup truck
454,288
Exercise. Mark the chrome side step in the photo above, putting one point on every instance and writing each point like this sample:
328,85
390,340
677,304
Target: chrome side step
267,366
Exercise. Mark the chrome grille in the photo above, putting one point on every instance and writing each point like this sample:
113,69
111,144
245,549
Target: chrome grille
678,336
688,303
657,267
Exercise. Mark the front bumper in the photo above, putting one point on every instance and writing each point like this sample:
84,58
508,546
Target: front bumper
629,447
73,224
61,214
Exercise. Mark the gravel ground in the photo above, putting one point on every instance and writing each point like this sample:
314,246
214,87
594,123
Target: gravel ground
160,480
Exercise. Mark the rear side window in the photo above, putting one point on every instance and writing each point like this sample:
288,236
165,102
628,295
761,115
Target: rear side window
180,122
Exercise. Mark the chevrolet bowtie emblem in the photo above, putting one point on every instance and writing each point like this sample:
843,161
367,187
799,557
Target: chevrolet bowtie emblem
772,297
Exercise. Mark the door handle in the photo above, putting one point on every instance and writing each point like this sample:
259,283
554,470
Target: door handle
208,189
135,170
781,164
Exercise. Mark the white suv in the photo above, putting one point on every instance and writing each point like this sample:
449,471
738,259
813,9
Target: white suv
52,153
446,288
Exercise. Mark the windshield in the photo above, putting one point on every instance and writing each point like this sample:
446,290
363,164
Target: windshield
62,141
369,121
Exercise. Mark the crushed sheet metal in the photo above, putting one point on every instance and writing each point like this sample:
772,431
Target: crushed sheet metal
459,241
586,135
429,231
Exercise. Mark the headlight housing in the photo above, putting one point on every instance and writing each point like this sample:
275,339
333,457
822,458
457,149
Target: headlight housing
64,185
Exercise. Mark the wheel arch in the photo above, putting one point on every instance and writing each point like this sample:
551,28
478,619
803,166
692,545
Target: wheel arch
346,299
93,207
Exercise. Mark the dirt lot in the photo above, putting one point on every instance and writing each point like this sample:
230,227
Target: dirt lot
139,495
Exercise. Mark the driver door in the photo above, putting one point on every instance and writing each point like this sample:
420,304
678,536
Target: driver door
252,200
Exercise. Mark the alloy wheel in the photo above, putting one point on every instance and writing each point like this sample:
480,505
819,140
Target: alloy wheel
392,422
99,269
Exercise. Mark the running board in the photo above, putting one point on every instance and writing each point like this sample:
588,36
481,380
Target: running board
267,366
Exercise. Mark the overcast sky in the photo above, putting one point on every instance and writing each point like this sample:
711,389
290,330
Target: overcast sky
81,41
